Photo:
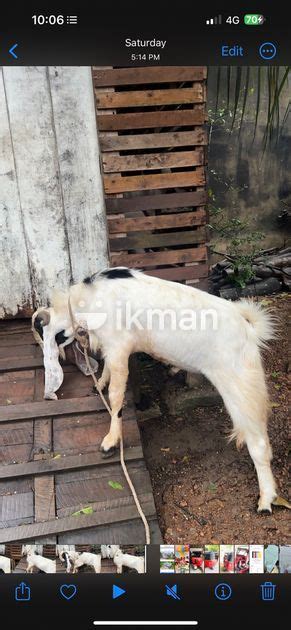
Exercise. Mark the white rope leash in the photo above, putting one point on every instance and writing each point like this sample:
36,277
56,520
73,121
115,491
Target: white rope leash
83,340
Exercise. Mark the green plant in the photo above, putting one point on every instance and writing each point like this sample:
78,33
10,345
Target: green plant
235,86
241,242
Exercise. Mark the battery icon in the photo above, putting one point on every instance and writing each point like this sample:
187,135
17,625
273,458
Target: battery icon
254,19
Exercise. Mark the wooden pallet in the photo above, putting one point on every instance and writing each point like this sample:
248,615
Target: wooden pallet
50,464
152,136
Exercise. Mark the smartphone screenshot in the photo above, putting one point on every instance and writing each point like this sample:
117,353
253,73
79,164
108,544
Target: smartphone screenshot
145,271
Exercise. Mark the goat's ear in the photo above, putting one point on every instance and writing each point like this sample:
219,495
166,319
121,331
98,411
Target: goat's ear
44,316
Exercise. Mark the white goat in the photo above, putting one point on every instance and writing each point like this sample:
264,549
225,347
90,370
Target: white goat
63,552
121,560
6,564
39,562
224,345
108,551
90,559
73,555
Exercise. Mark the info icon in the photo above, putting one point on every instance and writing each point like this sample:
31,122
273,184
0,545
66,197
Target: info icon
223,591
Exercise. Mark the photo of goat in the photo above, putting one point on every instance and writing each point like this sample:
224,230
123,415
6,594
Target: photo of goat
245,325
143,313
35,558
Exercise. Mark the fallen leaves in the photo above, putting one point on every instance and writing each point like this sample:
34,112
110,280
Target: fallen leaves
115,485
85,510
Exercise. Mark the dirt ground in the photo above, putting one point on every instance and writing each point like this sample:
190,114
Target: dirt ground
205,490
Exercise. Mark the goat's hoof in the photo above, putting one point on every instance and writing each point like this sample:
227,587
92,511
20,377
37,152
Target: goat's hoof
109,453
267,511
264,507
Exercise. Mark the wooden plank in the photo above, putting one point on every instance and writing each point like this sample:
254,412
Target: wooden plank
146,120
99,493
50,408
151,161
180,273
62,464
13,486
79,155
121,535
40,189
138,98
15,506
87,438
115,184
16,392
156,74
172,139
21,363
44,498
15,453
44,487
142,240
21,377
153,259
20,351
43,435
98,472
17,433
73,523
18,339
161,222
161,201
11,327
14,276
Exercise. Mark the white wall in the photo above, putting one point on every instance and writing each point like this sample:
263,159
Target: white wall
52,214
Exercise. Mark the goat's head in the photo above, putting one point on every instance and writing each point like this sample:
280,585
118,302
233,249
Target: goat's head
58,323
52,329
112,550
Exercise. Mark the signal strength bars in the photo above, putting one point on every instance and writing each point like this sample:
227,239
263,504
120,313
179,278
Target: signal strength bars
213,21
72,19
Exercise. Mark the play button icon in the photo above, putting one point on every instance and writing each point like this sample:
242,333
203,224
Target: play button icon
117,591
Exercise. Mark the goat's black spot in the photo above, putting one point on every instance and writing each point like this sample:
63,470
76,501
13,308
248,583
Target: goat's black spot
60,337
119,413
38,325
91,279
119,272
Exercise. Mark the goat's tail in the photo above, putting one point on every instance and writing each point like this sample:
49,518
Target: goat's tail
263,323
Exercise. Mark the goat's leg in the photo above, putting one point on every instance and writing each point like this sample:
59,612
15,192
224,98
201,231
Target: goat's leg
117,387
105,377
246,399
261,453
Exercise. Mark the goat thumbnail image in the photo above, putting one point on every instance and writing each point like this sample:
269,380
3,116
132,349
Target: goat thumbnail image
241,559
226,559
167,558
211,558
34,558
196,560
285,558
271,559
256,558
182,559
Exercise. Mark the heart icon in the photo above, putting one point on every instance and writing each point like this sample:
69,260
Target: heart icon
68,591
